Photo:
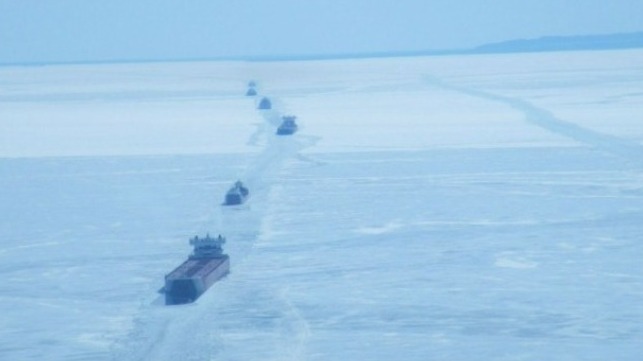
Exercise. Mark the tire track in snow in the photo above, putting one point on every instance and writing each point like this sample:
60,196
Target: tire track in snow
261,175
630,150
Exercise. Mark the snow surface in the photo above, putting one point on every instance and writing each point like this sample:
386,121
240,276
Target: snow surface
439,208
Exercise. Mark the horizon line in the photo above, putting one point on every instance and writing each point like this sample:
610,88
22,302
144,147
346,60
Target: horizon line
487,48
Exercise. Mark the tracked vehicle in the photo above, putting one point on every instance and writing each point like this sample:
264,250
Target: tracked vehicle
206,265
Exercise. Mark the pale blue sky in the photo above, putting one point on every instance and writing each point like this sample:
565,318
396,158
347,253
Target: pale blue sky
94,30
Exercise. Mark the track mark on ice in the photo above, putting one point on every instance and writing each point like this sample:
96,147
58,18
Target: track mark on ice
387,228
300,327
546,120
510,260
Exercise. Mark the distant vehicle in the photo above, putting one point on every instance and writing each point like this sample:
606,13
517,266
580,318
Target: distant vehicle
265,103
288,125
251,89
205,266
236,195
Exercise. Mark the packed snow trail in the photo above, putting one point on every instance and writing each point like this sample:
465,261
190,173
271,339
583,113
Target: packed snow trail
544,119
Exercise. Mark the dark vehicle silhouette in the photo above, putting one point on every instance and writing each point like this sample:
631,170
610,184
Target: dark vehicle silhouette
206,265
236,195
265,104
288,125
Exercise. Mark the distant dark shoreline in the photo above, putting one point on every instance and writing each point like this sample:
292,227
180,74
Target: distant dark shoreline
565,43
620,41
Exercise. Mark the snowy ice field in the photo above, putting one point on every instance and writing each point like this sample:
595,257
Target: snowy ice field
437,208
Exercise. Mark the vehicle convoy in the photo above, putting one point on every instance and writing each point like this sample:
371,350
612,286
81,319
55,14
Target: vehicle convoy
236,195
206,265
288,125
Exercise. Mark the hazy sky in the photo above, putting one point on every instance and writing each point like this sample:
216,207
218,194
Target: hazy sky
102,30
